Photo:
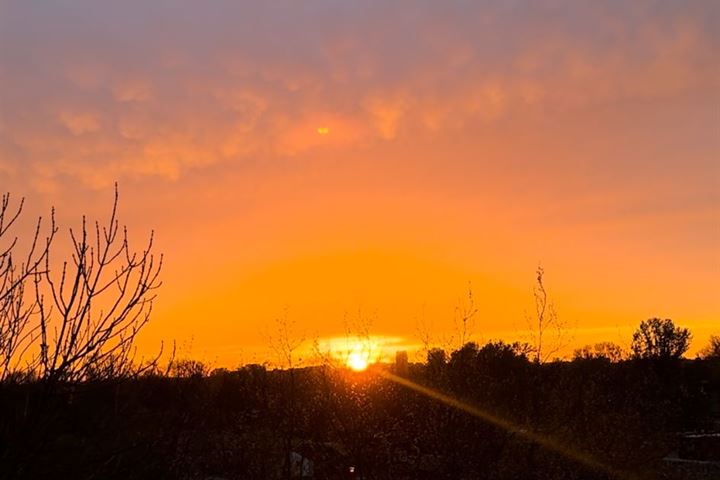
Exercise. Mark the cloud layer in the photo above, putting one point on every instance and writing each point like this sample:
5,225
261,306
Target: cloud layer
99,92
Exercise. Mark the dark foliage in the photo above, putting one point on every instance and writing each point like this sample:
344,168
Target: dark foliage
241,424
712,350
660,339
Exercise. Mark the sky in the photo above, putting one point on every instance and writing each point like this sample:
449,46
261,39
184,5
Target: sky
353,167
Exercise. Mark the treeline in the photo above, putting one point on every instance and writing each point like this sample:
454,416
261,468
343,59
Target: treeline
253,422
75,402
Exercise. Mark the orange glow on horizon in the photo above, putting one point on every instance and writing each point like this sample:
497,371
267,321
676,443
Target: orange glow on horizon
357,353
338,164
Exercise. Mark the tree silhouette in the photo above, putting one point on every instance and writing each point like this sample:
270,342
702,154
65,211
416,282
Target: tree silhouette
712,350
604,350
660,339
17,270
92,309
545,322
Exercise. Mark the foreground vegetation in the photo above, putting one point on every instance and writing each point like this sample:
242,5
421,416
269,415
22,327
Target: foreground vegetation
76,403
246,423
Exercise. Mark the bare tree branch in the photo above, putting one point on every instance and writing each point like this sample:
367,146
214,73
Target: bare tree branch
545,323
97,304
17,332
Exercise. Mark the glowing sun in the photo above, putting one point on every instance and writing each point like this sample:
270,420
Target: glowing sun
357,361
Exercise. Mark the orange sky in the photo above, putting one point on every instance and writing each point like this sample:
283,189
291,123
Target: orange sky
465,144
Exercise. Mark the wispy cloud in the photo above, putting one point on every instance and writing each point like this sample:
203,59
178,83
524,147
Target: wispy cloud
100,93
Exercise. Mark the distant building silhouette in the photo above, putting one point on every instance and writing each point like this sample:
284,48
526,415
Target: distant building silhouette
401,362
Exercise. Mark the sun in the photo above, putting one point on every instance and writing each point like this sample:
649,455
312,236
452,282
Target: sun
356,354
357,361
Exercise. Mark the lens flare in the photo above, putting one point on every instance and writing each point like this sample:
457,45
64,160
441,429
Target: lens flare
542,440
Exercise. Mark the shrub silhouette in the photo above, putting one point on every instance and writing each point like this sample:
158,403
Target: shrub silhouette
712,350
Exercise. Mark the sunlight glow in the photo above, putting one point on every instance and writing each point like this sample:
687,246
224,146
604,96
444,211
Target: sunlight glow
357,361
323,130
360,352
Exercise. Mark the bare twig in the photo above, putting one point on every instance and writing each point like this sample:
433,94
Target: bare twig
17,333
92,310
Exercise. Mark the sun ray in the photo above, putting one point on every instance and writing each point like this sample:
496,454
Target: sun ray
545,441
